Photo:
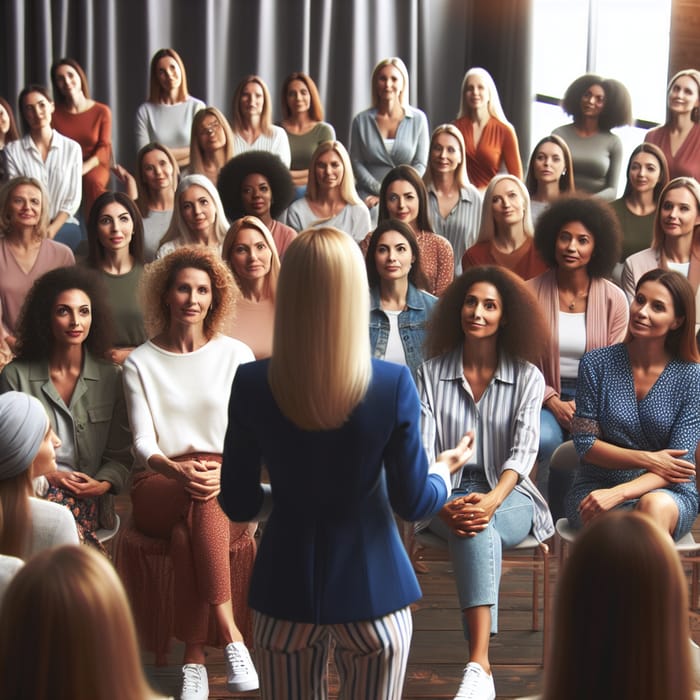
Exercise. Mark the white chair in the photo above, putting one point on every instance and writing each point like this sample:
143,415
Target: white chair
538,564
105,535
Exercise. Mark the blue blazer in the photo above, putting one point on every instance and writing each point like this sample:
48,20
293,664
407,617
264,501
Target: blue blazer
330,552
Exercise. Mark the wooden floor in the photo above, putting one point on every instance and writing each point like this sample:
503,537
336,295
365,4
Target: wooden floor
438,652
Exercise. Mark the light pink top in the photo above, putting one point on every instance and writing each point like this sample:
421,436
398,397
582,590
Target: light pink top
253,325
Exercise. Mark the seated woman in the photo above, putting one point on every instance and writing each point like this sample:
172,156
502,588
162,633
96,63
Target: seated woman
596,105
211,144
250,253
485,333
489,138
86,121
455,204
580,239
27,446
51,158
679,137
153,190
643,654
647,175
166,117
399,308
403,197
339,435
26,251
177,387
636,426
550,174
389,133
198,217
331,198
253,129
675,246
303,122
115,250
66,632
258,184
506,233
63,334
8,133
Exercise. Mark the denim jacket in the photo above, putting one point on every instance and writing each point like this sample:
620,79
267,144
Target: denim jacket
412,321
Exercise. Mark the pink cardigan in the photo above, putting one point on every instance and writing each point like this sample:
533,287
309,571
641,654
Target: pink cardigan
607,314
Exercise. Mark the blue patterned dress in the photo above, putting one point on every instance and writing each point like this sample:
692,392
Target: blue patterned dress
668,417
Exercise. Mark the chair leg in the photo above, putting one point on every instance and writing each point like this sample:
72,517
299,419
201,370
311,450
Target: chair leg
535,591
545,603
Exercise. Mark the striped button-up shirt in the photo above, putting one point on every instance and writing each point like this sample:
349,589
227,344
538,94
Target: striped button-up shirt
506,421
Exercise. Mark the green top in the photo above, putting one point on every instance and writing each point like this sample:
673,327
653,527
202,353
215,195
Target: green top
637,231
122,291
302,146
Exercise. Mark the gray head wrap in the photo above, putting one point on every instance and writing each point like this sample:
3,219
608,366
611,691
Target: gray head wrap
23,424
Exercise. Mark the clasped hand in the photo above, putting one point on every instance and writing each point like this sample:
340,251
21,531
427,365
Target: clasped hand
78,483
202,478
669,466
469,515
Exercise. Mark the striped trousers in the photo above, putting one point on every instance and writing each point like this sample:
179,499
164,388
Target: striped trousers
371,656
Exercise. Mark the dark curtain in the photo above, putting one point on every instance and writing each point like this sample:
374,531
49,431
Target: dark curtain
336,41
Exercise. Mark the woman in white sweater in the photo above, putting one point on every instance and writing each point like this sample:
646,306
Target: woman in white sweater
177,387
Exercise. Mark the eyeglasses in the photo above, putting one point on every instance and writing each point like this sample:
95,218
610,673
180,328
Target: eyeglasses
208,129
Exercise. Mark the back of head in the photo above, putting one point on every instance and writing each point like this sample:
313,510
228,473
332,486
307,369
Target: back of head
66,631
321,366
621,629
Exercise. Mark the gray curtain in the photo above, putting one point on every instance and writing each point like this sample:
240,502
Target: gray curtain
336,41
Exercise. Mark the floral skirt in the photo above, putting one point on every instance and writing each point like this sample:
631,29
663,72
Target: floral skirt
86,514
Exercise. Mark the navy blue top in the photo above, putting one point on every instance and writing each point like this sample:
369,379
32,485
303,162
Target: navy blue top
330,552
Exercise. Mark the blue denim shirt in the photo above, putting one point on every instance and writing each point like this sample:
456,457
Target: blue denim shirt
419,306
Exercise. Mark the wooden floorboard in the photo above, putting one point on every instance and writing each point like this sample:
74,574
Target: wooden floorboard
438,650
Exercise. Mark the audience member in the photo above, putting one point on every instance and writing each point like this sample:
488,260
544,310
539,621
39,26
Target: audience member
579,238
250,251
491,144
198,217
596,105
389,133
636,425
455,204
115,240
50,158
679,137
331,198
211,144
550,174
8,133
253,129
506,232
26,251
258,184
63,334
485,332
166,117
177,387
66,632
87,122
303,122
315,397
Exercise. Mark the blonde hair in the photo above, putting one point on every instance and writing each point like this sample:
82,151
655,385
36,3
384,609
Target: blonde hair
621,618
321,364
253,222
347,186
15,514
196,154
394,62
179,231
487,229
461,175
659,237
494,102
159,278
67,633
6,195
689,73
239,121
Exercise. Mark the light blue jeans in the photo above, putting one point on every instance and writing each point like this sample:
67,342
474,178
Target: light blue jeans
477,560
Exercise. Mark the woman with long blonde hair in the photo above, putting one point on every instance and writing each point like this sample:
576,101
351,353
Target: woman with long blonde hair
211,143
299,413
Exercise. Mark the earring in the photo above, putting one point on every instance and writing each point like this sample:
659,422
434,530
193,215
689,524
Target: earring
563,172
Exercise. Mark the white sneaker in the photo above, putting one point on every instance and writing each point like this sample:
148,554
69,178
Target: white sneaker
241,673
195,682
476,684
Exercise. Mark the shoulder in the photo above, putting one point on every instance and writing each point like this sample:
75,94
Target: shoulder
64,143
609,289
194,103
656,134
644,258
238,351
58,251
600,357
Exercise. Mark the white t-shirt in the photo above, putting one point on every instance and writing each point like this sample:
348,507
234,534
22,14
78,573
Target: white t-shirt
572,343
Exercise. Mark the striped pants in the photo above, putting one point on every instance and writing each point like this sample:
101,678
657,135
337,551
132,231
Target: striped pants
371,656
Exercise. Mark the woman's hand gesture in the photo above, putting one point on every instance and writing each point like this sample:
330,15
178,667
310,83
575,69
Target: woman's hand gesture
459,455
669,466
